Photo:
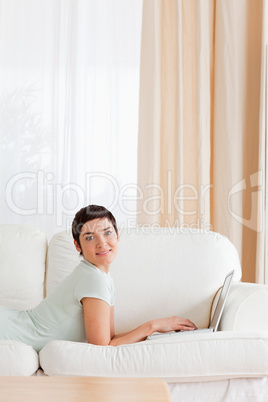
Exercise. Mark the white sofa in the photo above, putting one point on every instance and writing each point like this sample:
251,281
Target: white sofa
157,273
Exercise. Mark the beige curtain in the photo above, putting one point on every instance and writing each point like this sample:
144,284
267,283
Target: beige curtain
201,153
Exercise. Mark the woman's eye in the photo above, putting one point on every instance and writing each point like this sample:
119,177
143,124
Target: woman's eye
89,237
108,232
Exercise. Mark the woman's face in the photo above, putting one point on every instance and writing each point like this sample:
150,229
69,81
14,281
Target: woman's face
99,243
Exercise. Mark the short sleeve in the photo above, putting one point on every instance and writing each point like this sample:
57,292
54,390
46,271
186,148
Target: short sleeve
95,285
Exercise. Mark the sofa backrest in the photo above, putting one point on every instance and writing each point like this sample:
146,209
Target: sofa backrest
22,266
157,273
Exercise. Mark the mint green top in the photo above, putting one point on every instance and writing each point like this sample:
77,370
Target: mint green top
60,314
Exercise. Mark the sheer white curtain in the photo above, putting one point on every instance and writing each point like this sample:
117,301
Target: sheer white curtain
69,88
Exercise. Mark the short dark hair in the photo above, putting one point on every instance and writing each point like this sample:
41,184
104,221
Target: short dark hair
88,214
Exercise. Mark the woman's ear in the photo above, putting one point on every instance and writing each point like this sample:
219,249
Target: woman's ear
117,235
78,248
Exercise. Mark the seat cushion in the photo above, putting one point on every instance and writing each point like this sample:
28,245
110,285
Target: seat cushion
192,357
17,359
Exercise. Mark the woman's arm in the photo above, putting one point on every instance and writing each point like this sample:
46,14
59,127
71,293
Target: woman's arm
99,325
98,321
158,325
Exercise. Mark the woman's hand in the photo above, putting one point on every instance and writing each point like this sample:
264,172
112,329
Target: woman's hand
173,324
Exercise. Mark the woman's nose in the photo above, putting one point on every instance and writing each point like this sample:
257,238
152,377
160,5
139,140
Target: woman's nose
101,242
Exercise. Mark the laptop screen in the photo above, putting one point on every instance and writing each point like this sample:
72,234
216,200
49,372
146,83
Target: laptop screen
221,302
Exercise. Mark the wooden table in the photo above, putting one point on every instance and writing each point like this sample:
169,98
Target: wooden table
82,389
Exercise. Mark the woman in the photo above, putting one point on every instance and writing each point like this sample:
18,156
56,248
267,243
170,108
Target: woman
82,307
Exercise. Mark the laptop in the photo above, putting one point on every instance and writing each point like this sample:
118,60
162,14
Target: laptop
214,323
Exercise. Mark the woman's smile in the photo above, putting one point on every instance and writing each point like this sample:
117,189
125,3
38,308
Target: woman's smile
103,252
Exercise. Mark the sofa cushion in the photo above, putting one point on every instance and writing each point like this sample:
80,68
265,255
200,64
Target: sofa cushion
17,359
22,266
62,258
192,357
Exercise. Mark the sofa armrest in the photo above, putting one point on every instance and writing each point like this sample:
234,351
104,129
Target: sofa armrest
246,308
